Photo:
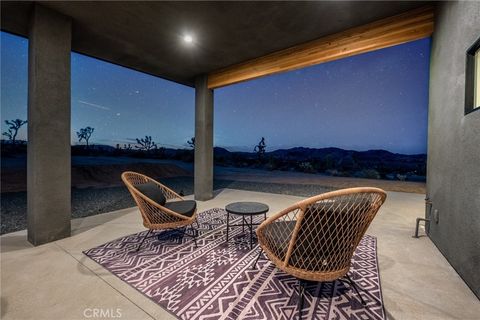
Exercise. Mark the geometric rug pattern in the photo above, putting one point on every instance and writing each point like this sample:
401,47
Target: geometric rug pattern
216,279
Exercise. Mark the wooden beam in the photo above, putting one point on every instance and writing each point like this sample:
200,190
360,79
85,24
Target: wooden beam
405,27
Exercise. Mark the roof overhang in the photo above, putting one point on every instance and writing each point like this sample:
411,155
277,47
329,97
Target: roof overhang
147,36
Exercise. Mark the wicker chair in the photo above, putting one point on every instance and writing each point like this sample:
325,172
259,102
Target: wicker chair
314,240
157,209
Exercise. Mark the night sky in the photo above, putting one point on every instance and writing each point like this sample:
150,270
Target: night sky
377,100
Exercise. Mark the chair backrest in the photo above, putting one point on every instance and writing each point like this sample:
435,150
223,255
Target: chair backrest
315,239
131,178
330,229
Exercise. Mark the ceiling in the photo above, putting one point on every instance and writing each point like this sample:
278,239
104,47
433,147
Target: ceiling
147,36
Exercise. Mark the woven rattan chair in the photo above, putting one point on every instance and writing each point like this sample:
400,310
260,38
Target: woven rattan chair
161,208
314,240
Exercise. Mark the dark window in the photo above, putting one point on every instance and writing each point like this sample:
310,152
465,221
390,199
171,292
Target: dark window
472,82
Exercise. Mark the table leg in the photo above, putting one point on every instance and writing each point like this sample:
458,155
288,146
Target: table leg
228,219
243,224
251,232
264,216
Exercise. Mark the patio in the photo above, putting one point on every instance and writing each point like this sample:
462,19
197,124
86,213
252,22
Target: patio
45,274
417,281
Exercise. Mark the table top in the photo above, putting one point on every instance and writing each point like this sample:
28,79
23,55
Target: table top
247,208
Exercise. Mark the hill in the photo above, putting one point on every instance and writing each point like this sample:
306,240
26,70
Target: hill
377,164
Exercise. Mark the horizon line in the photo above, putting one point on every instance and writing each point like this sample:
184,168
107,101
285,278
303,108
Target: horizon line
239,148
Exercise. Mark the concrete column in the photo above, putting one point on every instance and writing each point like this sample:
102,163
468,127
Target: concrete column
48,155
203,183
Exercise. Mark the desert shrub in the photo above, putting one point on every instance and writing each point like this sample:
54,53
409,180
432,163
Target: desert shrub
332,172
9,149
184,155
220,160
272,164
306,166
368,174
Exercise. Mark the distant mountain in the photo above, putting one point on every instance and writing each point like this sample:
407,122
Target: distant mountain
304,153
102,147
218,151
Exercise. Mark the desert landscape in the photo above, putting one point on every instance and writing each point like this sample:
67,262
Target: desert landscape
97,187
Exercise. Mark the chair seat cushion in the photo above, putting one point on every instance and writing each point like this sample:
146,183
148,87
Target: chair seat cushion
278,235
152,191
184,207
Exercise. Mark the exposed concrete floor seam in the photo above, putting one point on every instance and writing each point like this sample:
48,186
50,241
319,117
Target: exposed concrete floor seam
106,282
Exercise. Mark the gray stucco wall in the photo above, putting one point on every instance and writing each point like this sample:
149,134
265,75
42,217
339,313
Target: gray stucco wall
453,175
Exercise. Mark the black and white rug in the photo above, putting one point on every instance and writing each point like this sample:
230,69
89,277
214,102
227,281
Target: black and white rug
216,281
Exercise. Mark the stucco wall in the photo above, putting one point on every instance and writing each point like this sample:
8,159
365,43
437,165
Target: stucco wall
453,174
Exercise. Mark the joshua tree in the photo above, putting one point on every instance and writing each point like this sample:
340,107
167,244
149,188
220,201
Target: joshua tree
260,148
146,144
127,147
13,127
85,134
191,143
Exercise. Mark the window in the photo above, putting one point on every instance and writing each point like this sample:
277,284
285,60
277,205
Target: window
472,83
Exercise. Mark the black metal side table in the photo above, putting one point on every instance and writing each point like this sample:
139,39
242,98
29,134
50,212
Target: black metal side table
246,209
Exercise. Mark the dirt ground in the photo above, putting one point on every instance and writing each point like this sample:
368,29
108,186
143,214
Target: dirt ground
327,181
96,176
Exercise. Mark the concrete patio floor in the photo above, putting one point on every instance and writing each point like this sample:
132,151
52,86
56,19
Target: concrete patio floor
56,281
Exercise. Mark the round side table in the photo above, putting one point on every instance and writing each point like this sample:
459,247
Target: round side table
246,209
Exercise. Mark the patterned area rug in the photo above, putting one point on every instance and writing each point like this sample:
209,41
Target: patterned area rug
216,280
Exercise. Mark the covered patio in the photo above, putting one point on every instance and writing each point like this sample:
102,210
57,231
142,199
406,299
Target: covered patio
214,59
208,45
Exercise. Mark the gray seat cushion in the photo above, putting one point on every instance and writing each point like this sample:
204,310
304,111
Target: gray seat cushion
152,191
278,236
185,207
